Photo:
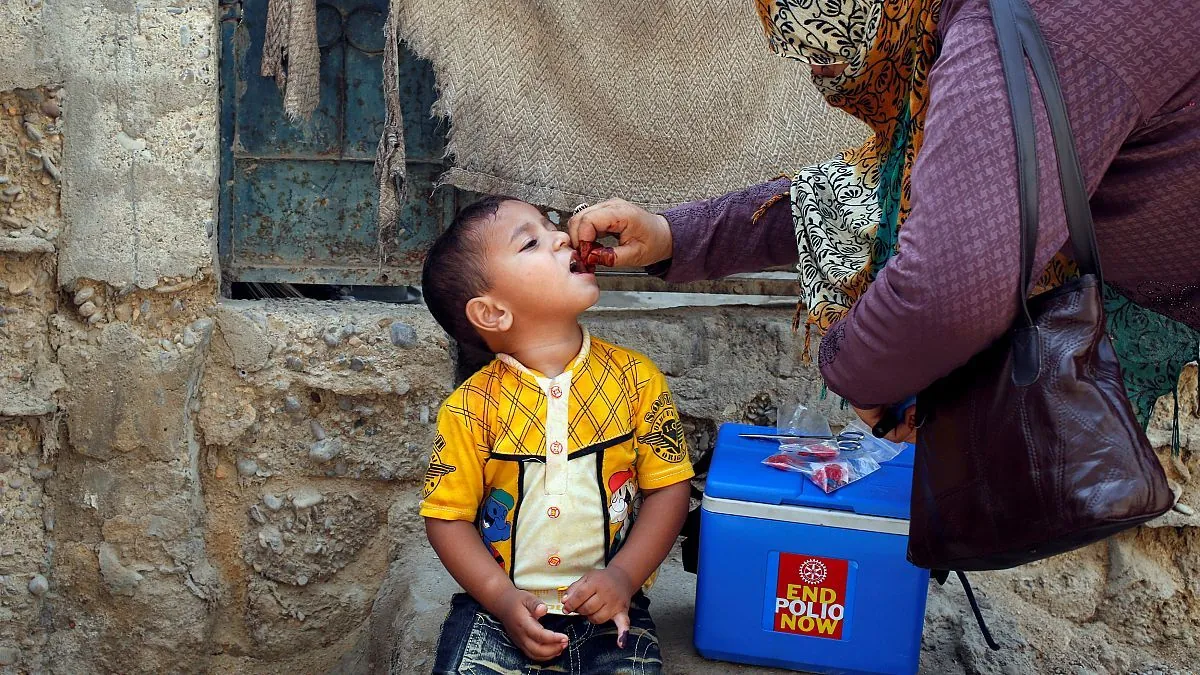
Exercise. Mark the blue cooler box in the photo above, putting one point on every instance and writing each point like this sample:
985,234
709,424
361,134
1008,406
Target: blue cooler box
794,578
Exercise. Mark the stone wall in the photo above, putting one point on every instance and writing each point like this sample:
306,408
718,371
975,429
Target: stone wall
189,484
107,284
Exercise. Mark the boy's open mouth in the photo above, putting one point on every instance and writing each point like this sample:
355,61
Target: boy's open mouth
576,266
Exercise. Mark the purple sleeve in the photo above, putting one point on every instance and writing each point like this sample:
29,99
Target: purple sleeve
952,289
714,238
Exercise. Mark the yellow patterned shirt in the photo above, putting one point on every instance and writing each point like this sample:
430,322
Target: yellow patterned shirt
550,469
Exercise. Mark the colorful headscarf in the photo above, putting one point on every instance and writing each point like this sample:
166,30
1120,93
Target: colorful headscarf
848,212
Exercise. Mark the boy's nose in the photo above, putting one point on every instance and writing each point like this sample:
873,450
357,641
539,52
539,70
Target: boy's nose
561,239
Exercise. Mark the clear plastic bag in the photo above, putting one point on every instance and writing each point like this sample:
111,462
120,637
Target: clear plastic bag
836,462
828,475
796,418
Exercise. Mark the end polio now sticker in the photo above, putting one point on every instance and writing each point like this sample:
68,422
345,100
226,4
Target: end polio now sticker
810,596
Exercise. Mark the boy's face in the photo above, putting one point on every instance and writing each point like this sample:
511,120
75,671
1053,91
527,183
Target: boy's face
532,268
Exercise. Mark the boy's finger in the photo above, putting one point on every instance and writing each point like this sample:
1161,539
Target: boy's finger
594,605
622,621
540,652
578,593
538,633
536,607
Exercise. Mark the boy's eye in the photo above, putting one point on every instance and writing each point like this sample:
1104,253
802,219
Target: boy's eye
530,244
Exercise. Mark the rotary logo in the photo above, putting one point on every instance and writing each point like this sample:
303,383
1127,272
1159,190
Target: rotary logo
813,571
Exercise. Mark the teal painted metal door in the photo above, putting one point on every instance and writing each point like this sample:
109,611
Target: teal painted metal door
298,199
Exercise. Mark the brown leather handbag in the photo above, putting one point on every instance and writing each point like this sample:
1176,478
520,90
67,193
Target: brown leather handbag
1032,448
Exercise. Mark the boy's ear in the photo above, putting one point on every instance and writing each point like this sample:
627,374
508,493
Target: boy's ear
488,315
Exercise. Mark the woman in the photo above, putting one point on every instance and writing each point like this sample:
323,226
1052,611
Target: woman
908,247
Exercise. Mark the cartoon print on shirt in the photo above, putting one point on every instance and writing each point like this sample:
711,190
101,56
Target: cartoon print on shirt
493,520
622,506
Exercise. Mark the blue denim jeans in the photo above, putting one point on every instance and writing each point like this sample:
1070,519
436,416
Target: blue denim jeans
474,642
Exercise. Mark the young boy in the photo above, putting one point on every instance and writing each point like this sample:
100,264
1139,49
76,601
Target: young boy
559,476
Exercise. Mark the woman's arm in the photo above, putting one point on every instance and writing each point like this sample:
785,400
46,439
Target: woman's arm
713,238
952,288
706,239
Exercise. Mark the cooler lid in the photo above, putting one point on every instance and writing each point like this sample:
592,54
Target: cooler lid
737,472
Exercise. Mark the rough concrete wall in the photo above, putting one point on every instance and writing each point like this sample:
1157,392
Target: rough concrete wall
106,282
141,166
29,374
315,418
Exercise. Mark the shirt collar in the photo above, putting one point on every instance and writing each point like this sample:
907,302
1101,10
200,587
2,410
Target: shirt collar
576,363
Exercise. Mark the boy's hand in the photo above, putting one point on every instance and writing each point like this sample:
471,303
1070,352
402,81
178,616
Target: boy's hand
519,611
602,596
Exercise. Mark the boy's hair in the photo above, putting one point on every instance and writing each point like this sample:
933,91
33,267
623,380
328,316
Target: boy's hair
456,271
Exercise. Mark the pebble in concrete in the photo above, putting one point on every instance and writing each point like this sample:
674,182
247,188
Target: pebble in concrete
269,537
38,585
291,403
246,466
325,450
306,497
403,335
256,515
9,656
272,502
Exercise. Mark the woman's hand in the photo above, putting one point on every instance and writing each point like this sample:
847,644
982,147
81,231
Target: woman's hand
905,432
645,238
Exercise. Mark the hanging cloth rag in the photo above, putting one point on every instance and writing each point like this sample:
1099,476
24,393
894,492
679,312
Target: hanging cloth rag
291,55
389,158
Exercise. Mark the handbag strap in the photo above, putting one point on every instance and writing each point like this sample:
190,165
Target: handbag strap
1018,35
